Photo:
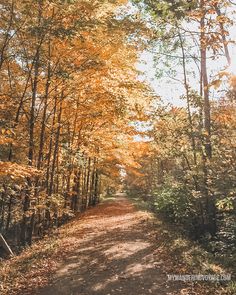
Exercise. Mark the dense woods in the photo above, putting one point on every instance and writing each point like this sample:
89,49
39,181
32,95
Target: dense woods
188,169
79,120
69,89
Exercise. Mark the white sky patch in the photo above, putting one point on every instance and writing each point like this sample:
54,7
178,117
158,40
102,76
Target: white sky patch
232,67
168,90
142,138
142,127
172,89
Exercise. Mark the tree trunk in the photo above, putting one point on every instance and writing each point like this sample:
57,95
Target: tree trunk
56,147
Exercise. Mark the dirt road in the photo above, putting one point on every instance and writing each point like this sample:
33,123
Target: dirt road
113,253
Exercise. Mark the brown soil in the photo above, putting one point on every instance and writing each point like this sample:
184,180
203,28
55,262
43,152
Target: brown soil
112,251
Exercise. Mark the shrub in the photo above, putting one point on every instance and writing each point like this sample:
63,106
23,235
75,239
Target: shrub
175,203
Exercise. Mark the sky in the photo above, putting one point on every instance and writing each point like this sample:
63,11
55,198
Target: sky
169,89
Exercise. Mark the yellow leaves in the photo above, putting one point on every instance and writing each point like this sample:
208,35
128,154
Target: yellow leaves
5,131
108,52
223,19
85,34
41,207
196,14
233,81
211,11
88,56
4,140
15,170
122,2
223,74
5,136
221,77
226,116
109,8
215,83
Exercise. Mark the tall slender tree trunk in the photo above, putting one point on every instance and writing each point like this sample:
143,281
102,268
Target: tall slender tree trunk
223,35
205,86
51,145
43,124
35,88
207,154
188,102
56,146
91,190
87,182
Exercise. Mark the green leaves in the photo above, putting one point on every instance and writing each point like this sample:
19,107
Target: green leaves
167,9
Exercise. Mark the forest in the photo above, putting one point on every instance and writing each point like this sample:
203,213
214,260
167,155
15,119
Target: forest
116,102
